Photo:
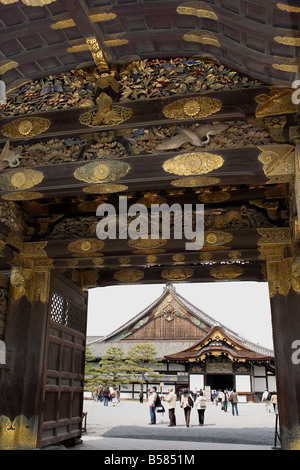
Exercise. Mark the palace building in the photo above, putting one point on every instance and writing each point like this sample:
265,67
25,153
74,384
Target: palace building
194,350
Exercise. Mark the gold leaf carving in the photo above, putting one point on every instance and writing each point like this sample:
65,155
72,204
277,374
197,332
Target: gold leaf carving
34,250
29,196
29,127
290,40
279,277
189,164
291,9
274,235
107,113
204,37
105,189
278,102
100,14
227,272
194,182
97,54
177,274
6,65
286,67
20,433
192,108
279,163
101,172
214,197
129,275
20,179
199,9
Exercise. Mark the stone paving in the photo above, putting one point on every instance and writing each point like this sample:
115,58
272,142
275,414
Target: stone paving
126,426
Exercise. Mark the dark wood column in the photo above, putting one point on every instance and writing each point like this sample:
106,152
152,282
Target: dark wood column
284,288
20,380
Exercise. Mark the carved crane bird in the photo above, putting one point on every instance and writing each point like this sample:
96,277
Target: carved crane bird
195,137
9,158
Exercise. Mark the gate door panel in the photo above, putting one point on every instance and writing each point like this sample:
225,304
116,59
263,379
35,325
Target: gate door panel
63,381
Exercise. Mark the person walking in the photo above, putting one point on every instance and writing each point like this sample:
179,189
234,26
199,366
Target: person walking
201,407
187,403
141,396
171,400
234,401
152,404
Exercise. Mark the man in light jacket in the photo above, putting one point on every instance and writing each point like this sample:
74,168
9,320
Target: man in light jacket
171,399
152,399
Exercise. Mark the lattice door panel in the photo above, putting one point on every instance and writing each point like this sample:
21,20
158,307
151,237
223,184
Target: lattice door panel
63,384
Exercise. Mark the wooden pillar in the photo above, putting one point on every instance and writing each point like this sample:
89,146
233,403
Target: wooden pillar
20,381
284,289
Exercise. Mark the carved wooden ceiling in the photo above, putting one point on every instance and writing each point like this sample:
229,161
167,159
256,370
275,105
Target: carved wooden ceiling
258,39
110,98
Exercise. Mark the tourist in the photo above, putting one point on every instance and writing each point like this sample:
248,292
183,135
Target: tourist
234,401
100,396
225,401
266,399
114,396
201,407
152,403
187,403
274,400
106,395
141,396
171,399
161,411
95,393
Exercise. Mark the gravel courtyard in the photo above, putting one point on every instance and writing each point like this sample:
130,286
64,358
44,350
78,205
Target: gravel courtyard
129,420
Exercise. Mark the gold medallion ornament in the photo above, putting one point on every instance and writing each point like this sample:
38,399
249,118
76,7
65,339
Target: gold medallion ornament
20,179
86,246
129,275
192,108
23,128
193,163
177,274
227,272
195,182
218,238
101,172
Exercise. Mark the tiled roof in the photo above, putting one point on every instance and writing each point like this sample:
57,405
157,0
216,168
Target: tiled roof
163,348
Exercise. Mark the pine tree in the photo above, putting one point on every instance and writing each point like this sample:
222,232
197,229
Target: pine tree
113,368
142,361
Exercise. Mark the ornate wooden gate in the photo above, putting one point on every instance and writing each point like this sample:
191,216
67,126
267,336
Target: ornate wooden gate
63,374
